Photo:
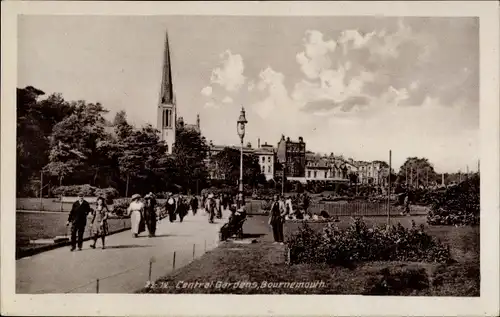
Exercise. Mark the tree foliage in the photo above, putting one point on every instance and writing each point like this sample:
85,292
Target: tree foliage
73,144
228,165
417,172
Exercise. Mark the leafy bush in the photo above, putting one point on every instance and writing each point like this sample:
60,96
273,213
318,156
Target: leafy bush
86,190
398,281
360,243
75,190
458,205
120,206
108,193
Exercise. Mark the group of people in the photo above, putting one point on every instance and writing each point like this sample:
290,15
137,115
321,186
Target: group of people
143,214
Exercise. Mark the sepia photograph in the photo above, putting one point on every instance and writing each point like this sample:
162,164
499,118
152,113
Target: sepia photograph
251,154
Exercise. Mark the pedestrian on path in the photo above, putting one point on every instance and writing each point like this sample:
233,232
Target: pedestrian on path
218,206
276,220
99,224
171,206
135,211
78,220
194,204
150,214
210,208
182,208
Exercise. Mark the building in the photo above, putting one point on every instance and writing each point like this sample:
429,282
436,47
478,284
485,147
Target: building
265,155
194,127
293,155
375,172
167,122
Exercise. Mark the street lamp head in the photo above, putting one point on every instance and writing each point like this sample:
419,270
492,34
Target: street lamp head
242,120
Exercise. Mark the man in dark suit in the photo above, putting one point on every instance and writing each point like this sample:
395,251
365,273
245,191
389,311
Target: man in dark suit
78,220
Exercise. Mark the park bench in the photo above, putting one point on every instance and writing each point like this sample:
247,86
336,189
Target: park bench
232,228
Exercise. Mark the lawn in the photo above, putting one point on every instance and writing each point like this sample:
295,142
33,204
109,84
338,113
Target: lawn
45,225
263,261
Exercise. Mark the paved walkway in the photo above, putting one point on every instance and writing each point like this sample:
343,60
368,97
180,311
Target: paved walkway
123,267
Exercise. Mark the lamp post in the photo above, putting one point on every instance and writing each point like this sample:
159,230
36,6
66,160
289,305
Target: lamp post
242,121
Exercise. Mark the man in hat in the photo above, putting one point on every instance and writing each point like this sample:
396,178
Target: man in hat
78,220
210,206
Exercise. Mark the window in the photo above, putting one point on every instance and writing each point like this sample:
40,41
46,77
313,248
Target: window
325,175
269,159
263,169
167,118
315,174
269,169
263,159
309,174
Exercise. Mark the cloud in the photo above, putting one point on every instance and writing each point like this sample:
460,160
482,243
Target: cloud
227,99
211,105
207,91
315,58
230,74
251,85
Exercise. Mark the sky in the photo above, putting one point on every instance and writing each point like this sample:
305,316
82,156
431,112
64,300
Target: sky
356,86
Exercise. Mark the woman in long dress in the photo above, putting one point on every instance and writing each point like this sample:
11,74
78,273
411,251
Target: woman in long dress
99,224
150,214
135,211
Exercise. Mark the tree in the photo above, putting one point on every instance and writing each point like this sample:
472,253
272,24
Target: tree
74,142
228,164
417,171
190,151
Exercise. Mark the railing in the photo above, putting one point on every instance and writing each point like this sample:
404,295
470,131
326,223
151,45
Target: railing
135,278
355,208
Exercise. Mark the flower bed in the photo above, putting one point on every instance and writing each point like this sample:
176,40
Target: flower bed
360,243
458,205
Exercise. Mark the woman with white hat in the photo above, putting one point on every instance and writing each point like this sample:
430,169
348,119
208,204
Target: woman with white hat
135,211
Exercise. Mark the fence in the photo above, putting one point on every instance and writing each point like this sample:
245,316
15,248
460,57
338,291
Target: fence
133,279
354,208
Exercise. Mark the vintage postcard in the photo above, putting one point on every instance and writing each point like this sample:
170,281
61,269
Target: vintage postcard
168,158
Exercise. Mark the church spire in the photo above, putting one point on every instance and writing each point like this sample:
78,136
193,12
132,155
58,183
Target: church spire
166,91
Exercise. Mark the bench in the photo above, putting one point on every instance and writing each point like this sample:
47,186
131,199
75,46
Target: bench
234,228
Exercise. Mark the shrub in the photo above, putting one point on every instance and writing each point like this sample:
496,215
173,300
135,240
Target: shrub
109,193
120,206
458,205
75,190
398,281
360,243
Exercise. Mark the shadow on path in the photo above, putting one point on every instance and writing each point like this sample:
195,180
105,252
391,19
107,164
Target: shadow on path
127,246
253,235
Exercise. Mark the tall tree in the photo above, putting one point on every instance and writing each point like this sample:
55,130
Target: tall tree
190,151
227,163
74,144
417,171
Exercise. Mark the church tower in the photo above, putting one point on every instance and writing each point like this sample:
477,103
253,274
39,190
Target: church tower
167,108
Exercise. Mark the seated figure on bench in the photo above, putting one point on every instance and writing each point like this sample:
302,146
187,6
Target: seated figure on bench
235,224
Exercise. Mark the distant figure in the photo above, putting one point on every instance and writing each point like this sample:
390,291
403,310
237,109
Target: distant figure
182,208
150,214
170,206
99,223
276,220
135,211
78,220
218,207
194,204
210,208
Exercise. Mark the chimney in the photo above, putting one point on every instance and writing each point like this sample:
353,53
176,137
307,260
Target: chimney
258,143
198,120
